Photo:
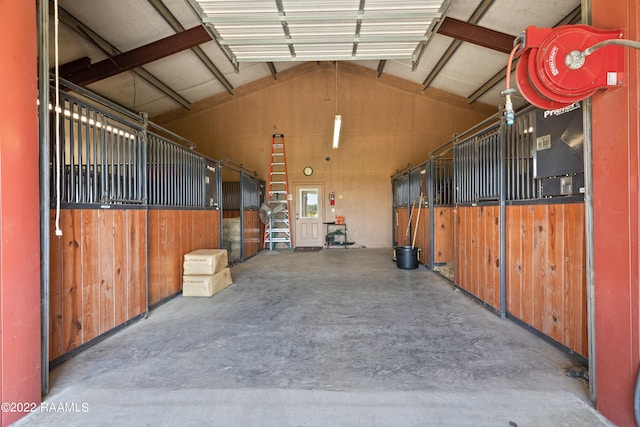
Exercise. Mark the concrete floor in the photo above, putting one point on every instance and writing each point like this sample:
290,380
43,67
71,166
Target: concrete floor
338,337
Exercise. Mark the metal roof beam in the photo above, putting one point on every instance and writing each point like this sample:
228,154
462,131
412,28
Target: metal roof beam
173,22
476,34
272,70
381,66
110,50
453,47
142,55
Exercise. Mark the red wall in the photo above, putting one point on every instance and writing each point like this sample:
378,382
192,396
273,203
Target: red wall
19,208
615,175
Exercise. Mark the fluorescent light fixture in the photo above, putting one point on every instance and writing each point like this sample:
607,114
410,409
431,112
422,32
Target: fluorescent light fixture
336,130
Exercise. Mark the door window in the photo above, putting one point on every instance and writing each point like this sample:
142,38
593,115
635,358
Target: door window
309,203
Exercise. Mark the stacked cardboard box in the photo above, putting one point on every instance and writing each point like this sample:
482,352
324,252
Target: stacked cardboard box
206,272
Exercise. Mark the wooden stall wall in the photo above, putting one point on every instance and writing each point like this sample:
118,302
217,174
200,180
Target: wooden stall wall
477,252
252,233
98,270
443,235
422,235
173,233
401,221
546,282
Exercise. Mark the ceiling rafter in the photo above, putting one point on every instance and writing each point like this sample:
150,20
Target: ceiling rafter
272,70
381,66
573,17
173,22
108,49
453,47
137,57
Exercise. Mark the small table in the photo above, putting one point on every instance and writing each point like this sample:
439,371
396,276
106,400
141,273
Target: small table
336,235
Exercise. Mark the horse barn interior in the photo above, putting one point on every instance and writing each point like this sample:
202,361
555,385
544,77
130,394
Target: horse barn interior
429,209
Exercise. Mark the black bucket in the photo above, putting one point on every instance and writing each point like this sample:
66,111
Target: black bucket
407,257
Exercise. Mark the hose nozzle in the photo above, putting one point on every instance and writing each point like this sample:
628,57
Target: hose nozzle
508,106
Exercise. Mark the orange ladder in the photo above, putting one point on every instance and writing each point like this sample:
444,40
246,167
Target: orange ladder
278,230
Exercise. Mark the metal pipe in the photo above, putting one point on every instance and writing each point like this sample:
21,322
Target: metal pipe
589,244
242,190
494,120
45,191
432,214
402,171
503,220
95,97
72,156
94,198
144,138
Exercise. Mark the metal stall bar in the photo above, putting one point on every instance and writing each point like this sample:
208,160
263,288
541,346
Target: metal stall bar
519,173
45,190
96,165
176,175
242,189
432,220
502,178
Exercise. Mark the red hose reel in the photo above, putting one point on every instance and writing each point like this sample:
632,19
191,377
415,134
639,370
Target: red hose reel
556,66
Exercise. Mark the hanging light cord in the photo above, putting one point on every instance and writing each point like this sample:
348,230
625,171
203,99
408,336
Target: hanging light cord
57,110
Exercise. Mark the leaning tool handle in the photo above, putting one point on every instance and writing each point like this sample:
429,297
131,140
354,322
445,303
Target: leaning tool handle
415,231
406,234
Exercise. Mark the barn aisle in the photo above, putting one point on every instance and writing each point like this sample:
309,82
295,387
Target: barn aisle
336,337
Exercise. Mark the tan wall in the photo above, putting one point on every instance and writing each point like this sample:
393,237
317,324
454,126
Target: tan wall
386,124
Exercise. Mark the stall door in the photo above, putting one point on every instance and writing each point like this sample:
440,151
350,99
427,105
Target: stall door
309,216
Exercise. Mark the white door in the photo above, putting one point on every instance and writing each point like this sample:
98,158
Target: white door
309,216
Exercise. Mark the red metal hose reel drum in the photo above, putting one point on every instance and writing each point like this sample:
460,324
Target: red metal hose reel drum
557,66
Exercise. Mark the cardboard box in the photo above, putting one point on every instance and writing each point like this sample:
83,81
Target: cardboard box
205,262
206,285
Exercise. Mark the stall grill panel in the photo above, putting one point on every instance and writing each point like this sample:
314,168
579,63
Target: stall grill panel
519,162
101,158
176,175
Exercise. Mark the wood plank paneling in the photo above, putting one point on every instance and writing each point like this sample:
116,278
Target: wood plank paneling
252,237
155,270
97,275
443,235
427,236
136,264
477,252
55,293
72,283
422,235
172,233
119,267
173,255
546,282
91,284
107,279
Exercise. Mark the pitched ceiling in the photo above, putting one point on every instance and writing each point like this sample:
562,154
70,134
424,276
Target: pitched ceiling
155,56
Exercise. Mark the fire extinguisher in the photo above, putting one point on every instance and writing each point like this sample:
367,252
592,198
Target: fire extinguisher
332,198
